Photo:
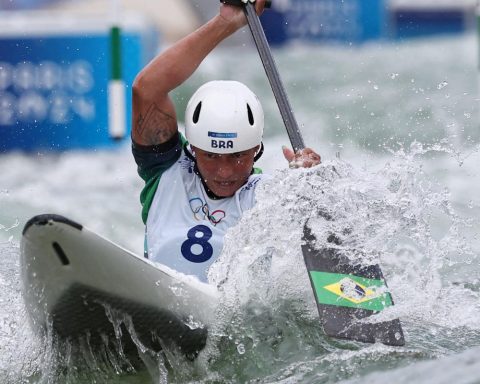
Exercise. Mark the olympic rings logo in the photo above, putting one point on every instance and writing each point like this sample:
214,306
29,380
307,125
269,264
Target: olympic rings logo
201,211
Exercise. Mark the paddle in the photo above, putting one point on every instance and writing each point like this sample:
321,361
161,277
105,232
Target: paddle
345,293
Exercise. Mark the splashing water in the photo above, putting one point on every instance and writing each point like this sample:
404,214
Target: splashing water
397,217
267,328
406,220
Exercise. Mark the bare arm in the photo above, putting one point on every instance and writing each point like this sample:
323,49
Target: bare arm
154,118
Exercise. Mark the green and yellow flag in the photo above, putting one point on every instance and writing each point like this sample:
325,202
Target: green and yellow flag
352,291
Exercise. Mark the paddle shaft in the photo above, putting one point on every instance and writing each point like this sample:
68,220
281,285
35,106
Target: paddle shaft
271,70
337,321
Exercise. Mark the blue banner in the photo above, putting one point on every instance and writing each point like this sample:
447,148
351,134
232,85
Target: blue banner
331,20
53,89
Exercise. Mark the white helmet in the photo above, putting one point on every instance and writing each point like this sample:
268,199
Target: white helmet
224,117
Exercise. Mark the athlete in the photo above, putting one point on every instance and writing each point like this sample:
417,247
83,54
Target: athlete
197,186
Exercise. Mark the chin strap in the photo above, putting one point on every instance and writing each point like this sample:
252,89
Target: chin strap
209,192
260,153
189,154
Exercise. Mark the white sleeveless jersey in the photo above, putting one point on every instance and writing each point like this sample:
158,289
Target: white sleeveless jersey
185,228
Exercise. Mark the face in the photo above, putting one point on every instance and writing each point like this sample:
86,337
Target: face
225,174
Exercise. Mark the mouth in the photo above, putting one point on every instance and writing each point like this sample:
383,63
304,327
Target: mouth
223,188
225,183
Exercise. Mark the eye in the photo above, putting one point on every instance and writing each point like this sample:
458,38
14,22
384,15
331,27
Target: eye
239,156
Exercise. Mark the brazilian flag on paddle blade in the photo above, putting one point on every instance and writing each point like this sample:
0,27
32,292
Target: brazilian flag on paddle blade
346,294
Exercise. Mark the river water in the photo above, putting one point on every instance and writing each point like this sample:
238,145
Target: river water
397,127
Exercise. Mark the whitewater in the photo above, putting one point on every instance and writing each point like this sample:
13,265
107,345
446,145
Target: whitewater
396,124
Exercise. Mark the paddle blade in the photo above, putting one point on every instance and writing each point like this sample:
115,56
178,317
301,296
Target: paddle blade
346,294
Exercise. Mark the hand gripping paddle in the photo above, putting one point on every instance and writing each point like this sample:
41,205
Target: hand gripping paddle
346,294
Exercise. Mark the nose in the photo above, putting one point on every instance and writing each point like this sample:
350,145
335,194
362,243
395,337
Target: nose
225,168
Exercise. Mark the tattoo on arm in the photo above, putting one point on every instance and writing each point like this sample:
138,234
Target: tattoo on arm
156,126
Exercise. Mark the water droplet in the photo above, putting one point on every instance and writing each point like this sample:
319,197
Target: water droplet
398,336
393,76
177,291
442,85
241,349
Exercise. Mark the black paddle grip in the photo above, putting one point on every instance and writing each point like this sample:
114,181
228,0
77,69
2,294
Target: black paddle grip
240,3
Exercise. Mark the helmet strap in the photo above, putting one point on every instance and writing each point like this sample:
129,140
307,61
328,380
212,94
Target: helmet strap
260,153
209,192
189,154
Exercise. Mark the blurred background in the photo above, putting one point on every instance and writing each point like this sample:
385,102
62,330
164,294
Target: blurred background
388,88
365,78
57,57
